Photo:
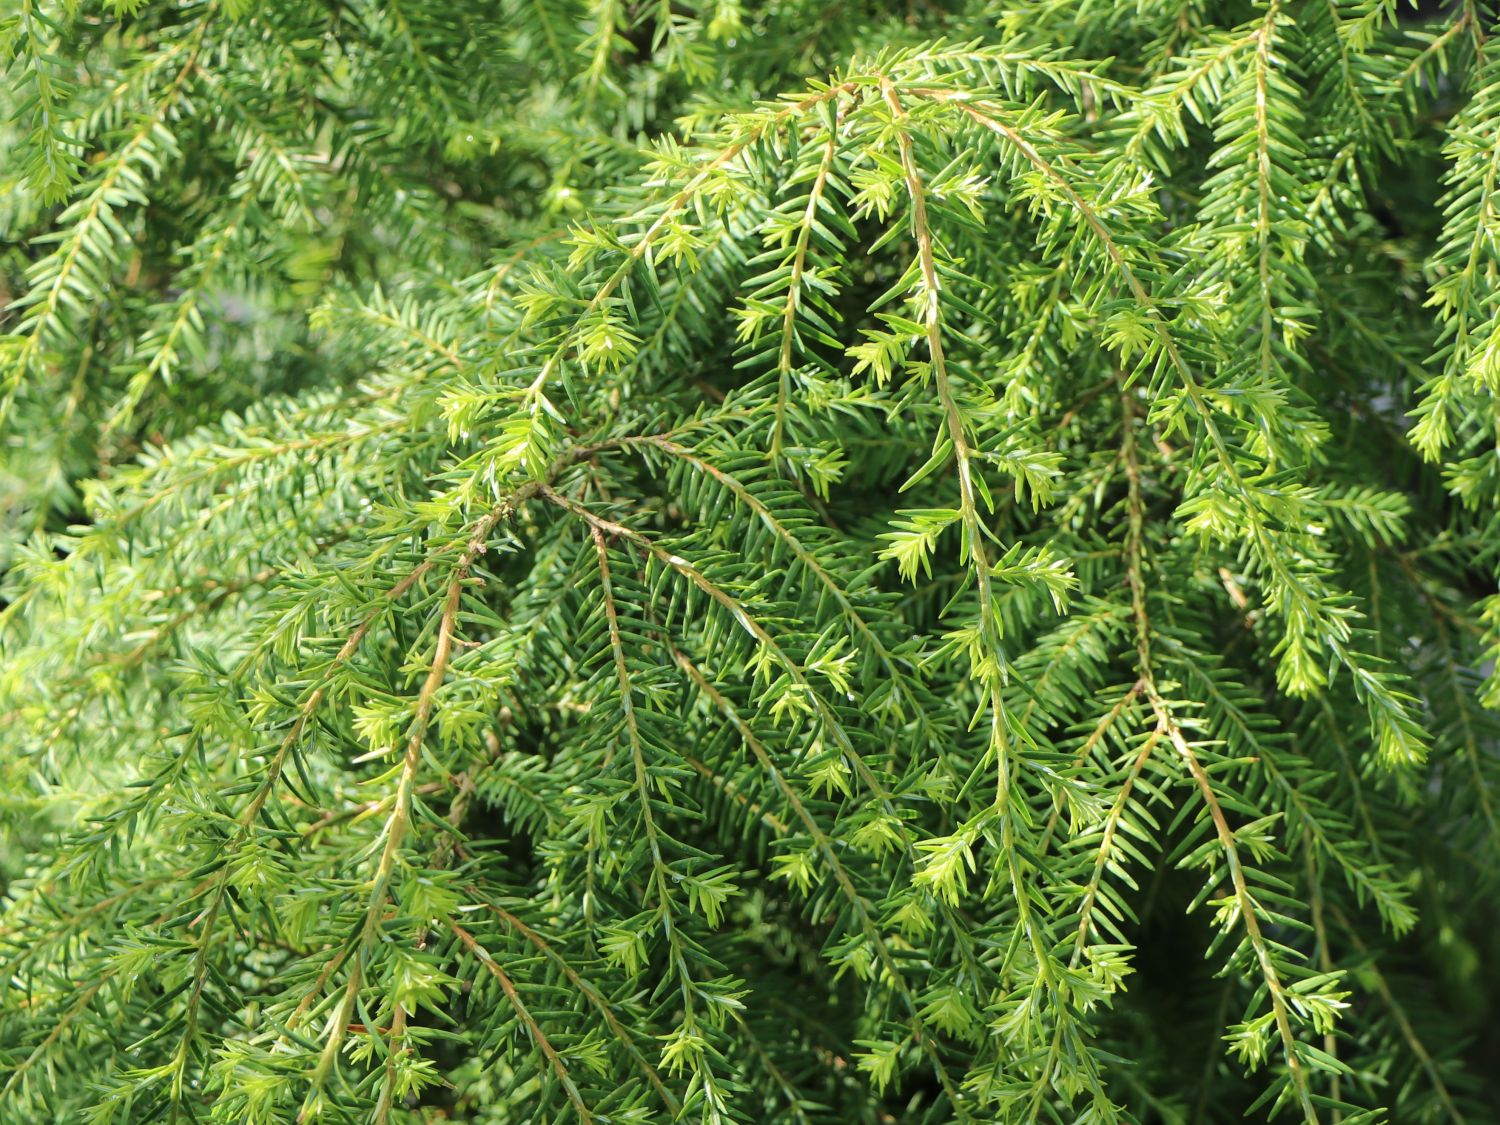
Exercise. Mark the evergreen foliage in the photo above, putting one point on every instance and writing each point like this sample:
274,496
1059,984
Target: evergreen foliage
819,560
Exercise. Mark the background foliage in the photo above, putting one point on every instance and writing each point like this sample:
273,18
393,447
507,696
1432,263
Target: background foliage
802,561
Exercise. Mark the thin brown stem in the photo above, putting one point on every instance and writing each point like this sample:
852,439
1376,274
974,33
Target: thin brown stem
538,1036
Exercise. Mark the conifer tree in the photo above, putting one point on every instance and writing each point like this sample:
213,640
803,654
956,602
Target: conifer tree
810,561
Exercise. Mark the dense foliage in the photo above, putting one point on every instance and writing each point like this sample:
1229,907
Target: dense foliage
817,560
